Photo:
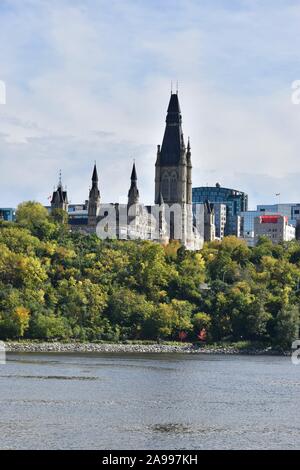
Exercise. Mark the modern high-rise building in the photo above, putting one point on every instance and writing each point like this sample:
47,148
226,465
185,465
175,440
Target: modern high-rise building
235,202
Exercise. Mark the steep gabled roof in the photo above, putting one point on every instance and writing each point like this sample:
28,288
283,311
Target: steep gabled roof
173,143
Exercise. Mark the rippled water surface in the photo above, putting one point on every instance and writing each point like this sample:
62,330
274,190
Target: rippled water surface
106,401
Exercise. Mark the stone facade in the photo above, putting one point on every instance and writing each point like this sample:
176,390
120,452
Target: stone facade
169,218
59,197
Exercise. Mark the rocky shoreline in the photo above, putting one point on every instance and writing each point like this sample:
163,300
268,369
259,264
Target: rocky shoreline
187,348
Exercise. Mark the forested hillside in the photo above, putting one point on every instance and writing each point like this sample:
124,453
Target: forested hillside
59,285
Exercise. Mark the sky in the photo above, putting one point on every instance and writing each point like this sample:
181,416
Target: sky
90,80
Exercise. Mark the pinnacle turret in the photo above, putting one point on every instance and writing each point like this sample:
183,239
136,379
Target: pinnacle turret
95,174
133,173
59,197
94,199
133,193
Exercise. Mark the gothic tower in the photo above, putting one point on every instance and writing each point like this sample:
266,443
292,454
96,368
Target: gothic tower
59,198
133,207
133,193
173,172
94,199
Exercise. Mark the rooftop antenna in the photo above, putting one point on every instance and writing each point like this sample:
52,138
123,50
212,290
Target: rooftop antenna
177,87
59,180
171,87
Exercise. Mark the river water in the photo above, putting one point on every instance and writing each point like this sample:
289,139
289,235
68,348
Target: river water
140,401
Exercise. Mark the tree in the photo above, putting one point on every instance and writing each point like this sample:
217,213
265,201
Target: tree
59,216
20,318
19,270
129,310
14,324
19,240
201,321
167,320
35,218
149,270
58,284
286,326
191,273
81,302
49,327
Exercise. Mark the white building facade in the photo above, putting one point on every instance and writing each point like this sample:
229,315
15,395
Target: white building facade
275,227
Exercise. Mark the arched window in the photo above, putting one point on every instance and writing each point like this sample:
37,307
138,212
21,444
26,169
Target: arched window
165,187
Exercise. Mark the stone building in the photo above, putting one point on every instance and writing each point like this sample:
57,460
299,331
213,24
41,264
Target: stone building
171,215
173,174
94,200
59,197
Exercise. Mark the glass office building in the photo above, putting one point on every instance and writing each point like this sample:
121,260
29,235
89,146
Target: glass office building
8,214
290,210
235,201
247,222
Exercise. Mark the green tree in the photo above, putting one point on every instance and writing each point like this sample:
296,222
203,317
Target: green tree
129,310
49,327
35,217
201,320
166,320
286,326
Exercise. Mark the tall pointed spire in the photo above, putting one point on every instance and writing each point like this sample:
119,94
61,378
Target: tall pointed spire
189,190
133,173
95,174
133,193
94,199
188,145
59,180
173,143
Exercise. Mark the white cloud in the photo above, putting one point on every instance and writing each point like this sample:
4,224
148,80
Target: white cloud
90,80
